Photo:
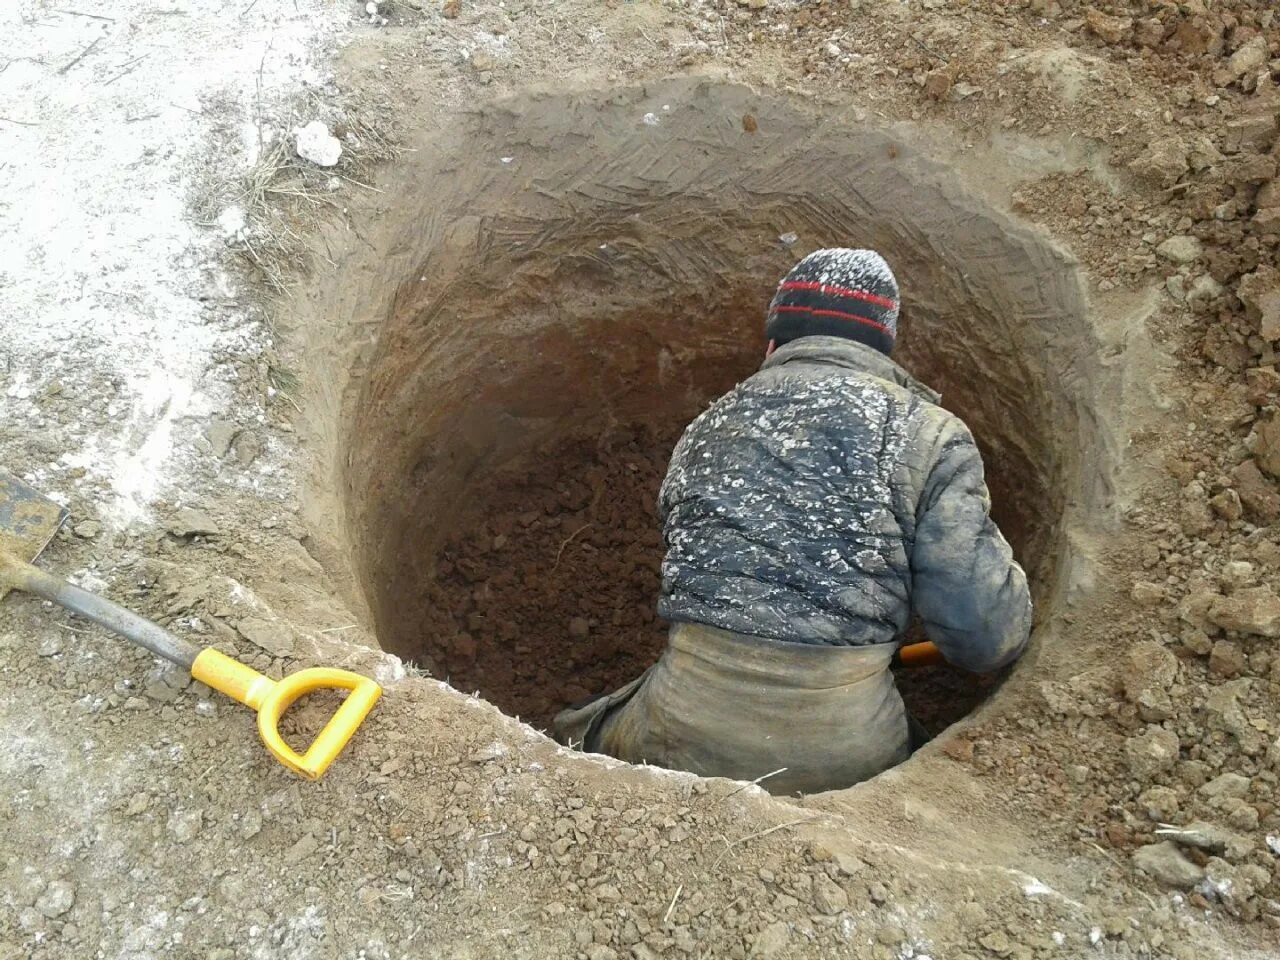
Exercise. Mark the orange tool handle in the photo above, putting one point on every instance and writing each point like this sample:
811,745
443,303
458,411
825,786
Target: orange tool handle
272,698
924,654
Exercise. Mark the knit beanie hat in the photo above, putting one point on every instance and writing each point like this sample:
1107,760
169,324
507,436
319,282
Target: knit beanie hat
837,293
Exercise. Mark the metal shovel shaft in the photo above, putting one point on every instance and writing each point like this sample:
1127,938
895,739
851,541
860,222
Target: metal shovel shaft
23,576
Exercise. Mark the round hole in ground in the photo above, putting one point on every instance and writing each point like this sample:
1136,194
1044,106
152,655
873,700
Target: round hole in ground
582,284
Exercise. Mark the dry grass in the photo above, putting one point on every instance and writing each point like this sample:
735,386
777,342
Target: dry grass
285,198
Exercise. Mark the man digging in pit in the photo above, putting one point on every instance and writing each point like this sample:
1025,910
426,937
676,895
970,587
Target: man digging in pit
807,515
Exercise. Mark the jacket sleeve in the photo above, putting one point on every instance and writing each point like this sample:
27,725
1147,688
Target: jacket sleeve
969,592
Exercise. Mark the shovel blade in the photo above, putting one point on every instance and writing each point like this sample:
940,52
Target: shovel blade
28,521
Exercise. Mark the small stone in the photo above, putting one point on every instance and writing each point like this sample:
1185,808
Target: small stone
891,935
1264,444
1255,610
451,9
190,522
185,825
50,646
160,692
302,848
1154,705
87,529
1260,293
772,941
57,899
220,433
1222,706
1148,594
272,636
1251,58
938,83
247,448
1227,660
1227,505
828,896
1163,162
1152,753
1267,222
1107,28
996,942
1148,665
1167,864
1149,32
482,60
1204,289
1160,803
579,628
1258,494
317,145
1263,386
848,864
1226,785
1180,249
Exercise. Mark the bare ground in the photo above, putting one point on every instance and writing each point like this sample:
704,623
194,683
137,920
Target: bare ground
1116,798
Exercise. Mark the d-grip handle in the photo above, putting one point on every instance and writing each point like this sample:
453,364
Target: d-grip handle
271,698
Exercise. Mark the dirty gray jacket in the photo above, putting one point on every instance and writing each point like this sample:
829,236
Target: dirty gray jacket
828,497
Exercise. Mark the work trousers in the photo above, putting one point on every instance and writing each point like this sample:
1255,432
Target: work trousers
721,704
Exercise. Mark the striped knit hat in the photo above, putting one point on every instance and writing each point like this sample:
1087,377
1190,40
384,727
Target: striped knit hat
837,293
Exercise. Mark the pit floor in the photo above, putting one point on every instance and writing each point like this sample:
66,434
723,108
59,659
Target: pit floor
545,589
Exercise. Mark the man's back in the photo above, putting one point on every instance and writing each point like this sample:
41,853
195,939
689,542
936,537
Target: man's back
792,511
808,514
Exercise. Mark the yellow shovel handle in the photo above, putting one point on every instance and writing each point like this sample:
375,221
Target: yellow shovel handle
272,698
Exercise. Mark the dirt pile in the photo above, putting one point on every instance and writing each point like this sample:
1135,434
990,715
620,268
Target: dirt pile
545,594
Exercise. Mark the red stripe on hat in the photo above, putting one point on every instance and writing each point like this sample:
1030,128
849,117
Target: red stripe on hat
840,292
835,313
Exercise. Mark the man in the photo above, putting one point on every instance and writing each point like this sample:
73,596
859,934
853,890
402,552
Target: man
807,514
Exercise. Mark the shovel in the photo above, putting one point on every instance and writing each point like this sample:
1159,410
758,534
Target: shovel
28,521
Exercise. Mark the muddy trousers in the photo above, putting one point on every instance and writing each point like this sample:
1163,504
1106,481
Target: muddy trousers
721,704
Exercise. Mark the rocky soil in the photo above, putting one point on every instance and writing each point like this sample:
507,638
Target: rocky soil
1122,803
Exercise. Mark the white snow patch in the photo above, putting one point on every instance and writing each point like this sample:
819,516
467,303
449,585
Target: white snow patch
232,222
99,254
1036,889
389,670
316,144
